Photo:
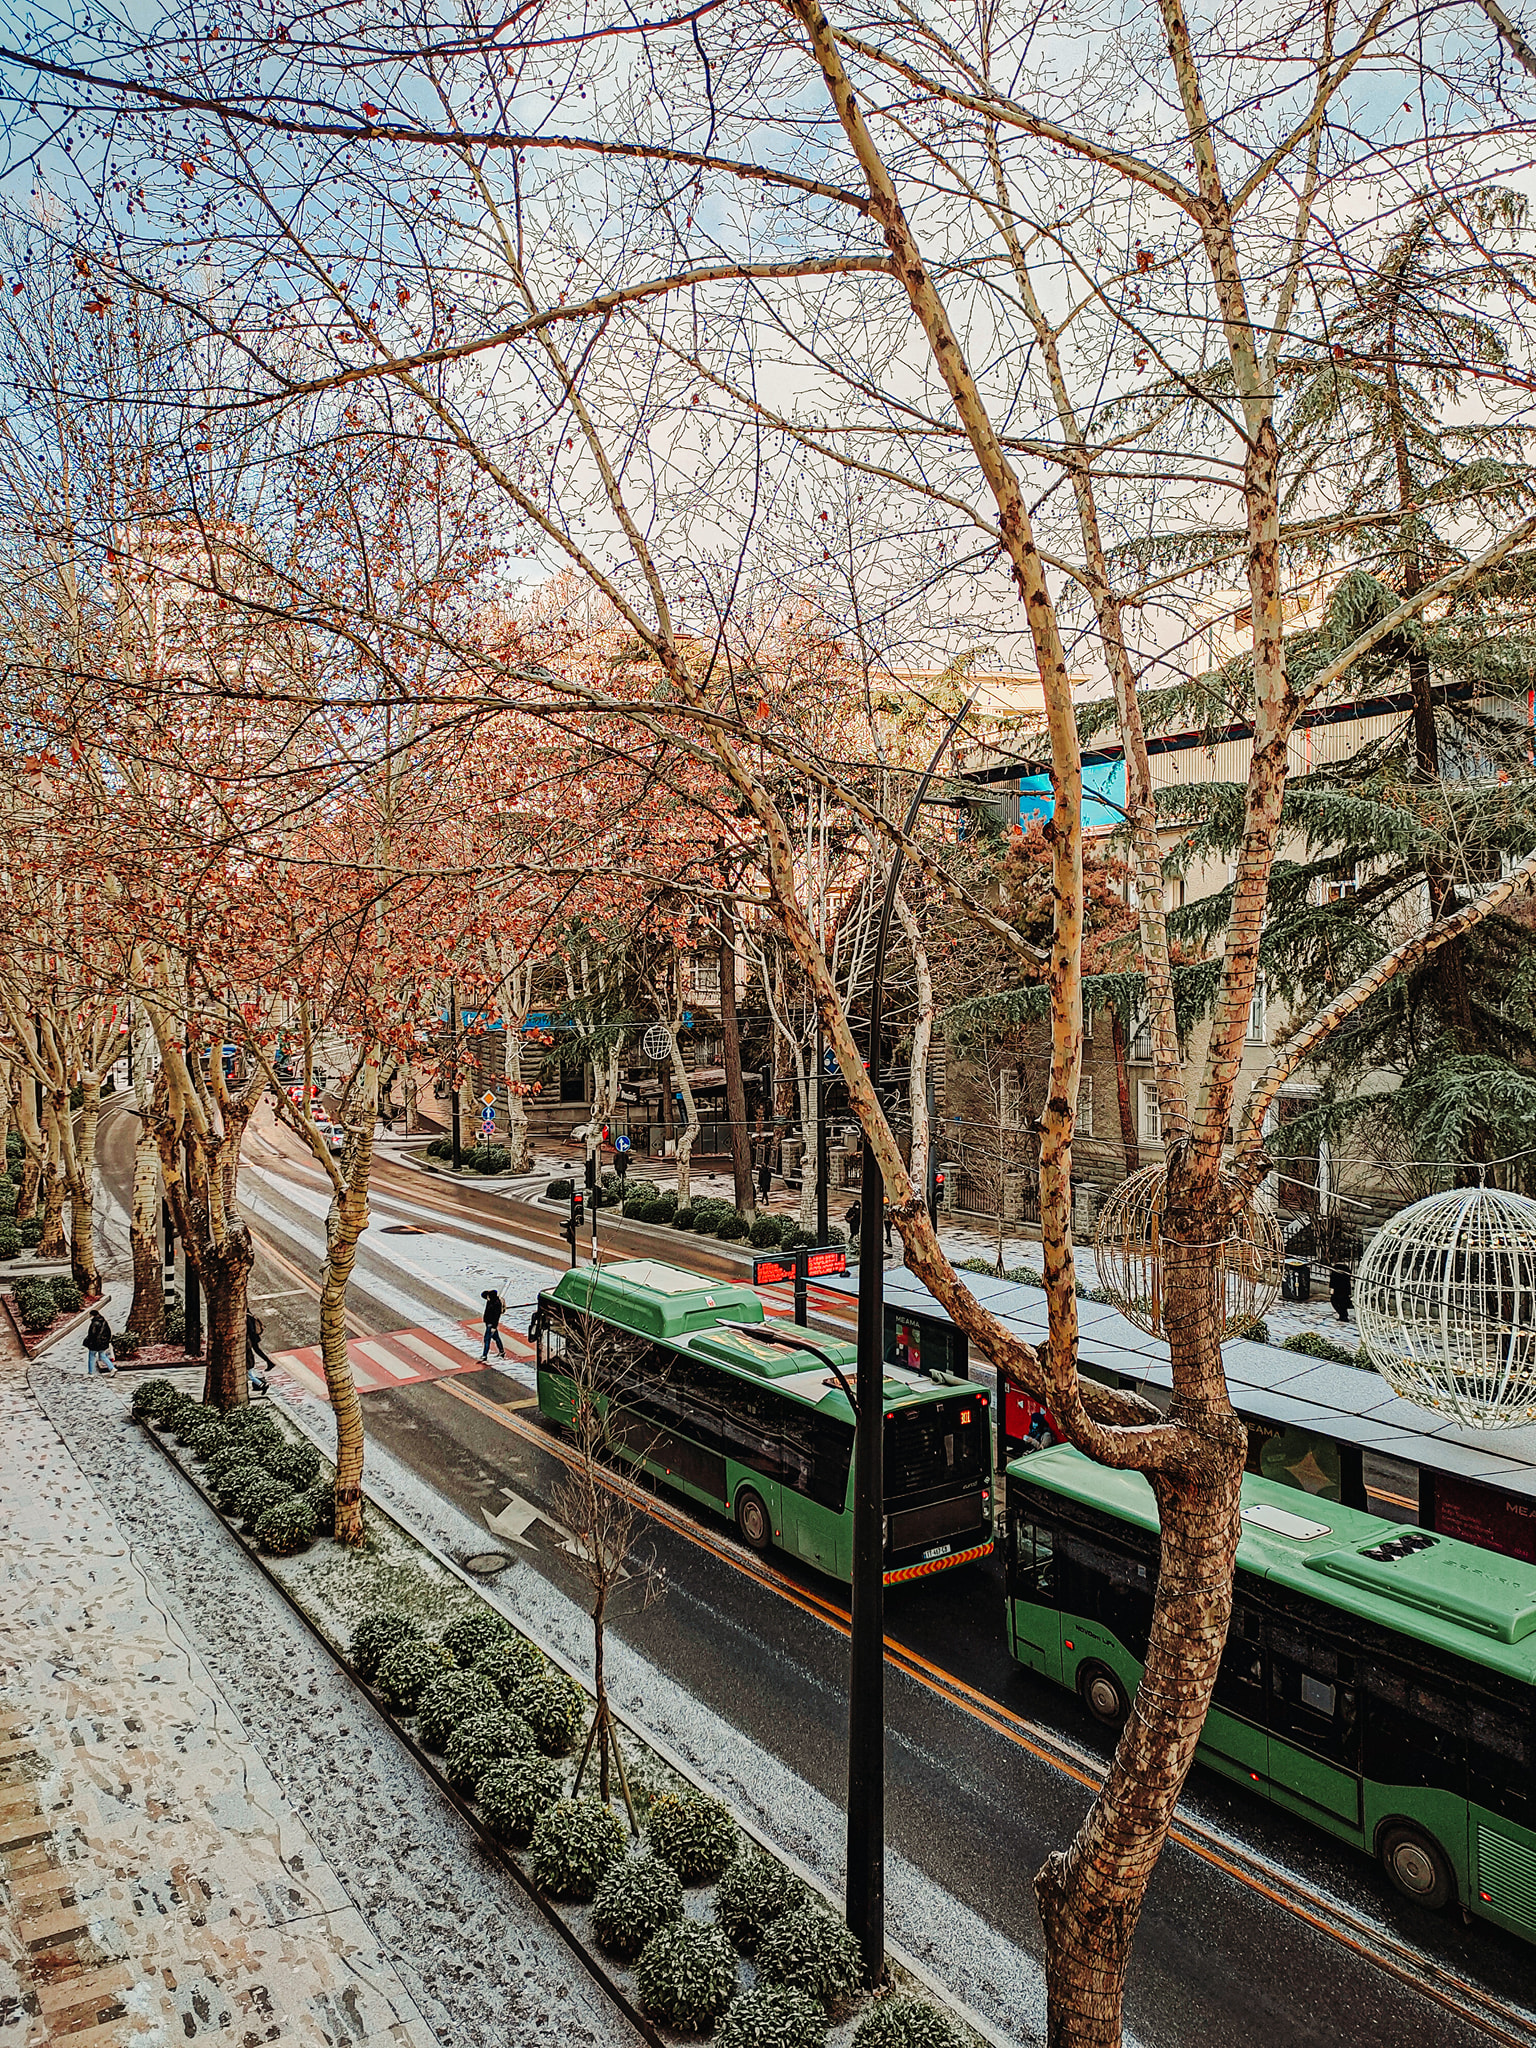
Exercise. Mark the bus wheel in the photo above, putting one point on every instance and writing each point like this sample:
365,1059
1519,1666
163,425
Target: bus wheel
752,1520
1103,1695
1416,1864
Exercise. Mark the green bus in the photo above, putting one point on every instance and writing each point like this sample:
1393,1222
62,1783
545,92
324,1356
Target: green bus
761,1431
1378,1681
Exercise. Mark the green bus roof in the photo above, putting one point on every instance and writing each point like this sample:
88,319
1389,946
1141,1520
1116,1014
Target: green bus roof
1475,1603
686,1310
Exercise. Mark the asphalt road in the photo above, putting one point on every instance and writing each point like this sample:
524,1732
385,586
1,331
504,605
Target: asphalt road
981,1787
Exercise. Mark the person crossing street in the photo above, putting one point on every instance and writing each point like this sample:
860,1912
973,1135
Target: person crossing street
494,1306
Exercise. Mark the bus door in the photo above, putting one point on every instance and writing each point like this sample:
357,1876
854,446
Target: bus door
1314,1724
1235,1739
1034,1621
818,1456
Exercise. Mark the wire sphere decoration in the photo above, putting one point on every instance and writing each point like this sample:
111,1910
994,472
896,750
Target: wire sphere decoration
1445,1300
657,1042
1246,1272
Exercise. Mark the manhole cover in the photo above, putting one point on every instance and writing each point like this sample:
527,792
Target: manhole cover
485,1564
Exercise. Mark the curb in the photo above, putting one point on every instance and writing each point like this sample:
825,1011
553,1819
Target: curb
34,1343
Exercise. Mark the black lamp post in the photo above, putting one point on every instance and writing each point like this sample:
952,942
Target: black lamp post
453,1071
866,1671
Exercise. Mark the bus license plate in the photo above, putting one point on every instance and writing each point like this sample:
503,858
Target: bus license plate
937,1550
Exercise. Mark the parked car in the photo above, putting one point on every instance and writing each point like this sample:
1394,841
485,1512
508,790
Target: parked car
333,1134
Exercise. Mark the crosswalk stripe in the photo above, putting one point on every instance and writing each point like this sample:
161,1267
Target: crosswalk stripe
443,1356
377,1354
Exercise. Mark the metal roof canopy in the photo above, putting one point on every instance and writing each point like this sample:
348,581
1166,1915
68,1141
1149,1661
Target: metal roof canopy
1285,1388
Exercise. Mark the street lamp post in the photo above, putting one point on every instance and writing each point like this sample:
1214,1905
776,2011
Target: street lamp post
866,1671
453,1070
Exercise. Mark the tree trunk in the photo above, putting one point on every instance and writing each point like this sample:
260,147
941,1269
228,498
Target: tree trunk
735,1093
146,1316
519,1144
690,1128
224,1271
31,1175
52,1244
344,1225
600,1693
1123,1090
80,1154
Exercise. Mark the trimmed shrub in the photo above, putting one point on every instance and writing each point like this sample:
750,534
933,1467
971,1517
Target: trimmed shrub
733,1227
899,2022
639,1896
794,1237
123,1346
513,1795
656,1212
440,1148
406,1671
755,1892
1256,1332
554,1707
468,1636
484,1740
455,1697
695,1835
14,1148
287,1526
207,1440
149,1397
773,2016
381,1630
637,1191
575,1843
10,1240
1314,1345
489,1159
10,1194
30,1231
511,1662
296,1464
67,1298
766,1230
812,1952
36,1311
322,1497
190,1421
226,1466
559,1189
687,1976
253,1496
174,1329
683,1220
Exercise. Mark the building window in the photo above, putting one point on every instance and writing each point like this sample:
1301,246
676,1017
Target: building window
1011,1100
1256,1005
1151,1118
1337,887
704,974
1084,1126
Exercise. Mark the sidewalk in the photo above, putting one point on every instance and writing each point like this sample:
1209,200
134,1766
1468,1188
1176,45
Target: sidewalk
155,1887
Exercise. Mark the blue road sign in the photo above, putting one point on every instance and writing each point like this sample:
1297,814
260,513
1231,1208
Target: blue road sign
829,1063
621,1144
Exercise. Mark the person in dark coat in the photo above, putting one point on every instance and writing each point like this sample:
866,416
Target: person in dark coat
493,1308
764,1181
253,1329
98,1344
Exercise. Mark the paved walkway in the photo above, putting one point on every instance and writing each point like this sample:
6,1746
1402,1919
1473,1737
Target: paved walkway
154,1886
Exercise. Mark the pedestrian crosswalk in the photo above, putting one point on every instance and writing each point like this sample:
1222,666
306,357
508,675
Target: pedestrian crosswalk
402,1358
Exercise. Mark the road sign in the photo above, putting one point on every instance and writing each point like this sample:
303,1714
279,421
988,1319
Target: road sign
829,1063
657,1042
489,1101
621,1144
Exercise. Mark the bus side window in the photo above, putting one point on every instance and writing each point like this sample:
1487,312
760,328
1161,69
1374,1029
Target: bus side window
1501,1760
1240,1680
551,1338
1035,1553
1413,1731
752,1426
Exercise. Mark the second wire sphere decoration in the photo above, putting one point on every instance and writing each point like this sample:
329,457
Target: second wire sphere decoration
1446,1303
657,1042
1128,1252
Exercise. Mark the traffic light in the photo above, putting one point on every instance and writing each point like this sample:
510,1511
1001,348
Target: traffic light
621,1164
591,1173
935,1195
572,1228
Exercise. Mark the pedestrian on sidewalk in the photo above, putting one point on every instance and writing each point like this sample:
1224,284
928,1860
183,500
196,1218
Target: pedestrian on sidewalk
98,1345
493,1311
764,1181
253,1329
